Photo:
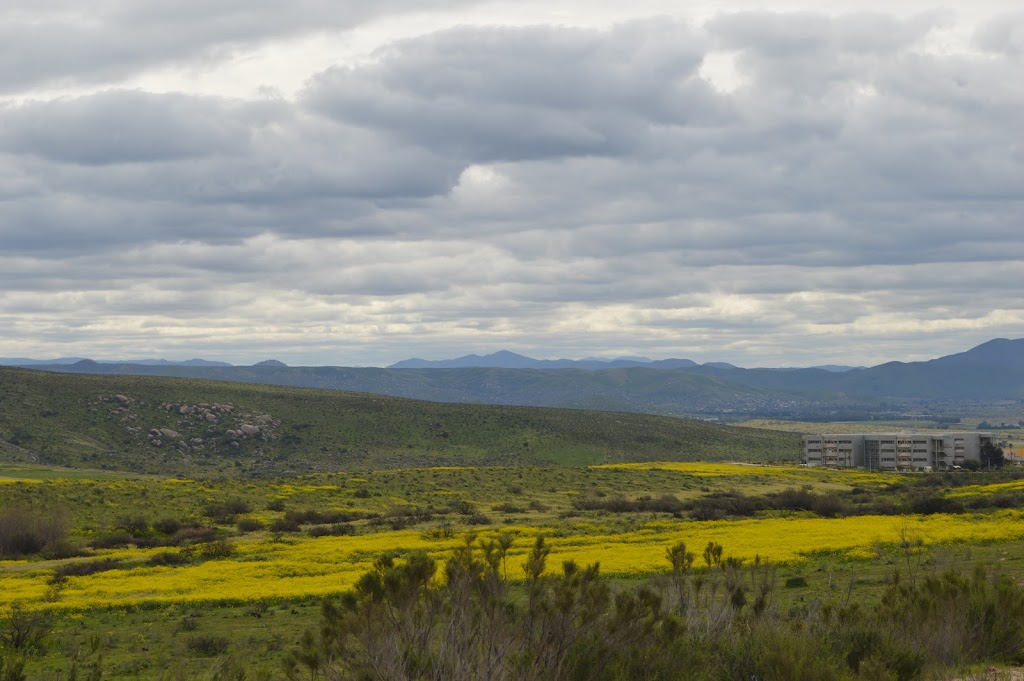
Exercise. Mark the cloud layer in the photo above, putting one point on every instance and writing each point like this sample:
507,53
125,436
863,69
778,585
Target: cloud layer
851,194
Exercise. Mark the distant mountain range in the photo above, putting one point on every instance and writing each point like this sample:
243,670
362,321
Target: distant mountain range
26,362
992,371
503,359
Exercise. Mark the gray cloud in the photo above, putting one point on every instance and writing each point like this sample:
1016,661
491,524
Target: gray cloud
515,94
61,43
125,127
564,191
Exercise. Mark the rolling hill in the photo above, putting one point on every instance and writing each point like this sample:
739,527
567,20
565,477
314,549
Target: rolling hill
993,371
201,427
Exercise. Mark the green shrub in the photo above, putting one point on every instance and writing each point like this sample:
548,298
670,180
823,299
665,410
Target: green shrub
217,549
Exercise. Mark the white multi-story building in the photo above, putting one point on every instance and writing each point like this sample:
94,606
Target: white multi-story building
895,451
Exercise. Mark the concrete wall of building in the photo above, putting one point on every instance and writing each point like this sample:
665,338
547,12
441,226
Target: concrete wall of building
895,451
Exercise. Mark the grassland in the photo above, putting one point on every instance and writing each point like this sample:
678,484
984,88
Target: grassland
211,558
256,589
108,423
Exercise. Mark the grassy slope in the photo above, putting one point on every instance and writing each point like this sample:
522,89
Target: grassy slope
72,419
636,389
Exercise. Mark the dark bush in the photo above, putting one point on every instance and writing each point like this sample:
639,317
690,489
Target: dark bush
334,530
362,493
225,512
24,631
114,540
220,548
881,507
1004,499
23,533
827,506
478,519
249,524
62,550
508,508
666,503
462,507
314,517
207,645
792,499
275,505
935,503
723,505
136,526
285,525
194,535
168,558
83,569
167,526
795,582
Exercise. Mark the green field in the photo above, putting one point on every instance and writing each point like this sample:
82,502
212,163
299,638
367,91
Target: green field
212,562
585,513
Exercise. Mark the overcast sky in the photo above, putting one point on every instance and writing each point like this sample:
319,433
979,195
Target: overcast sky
357,182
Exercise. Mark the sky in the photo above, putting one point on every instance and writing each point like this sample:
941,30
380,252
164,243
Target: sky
354,183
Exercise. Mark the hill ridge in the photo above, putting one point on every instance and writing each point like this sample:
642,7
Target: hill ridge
176,426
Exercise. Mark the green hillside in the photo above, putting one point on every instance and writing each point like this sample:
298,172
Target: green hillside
194,427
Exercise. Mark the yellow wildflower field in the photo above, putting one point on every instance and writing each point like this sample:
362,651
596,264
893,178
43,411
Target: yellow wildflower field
972,490
789,473
265,568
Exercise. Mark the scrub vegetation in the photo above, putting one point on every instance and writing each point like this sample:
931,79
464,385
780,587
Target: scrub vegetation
207,428
664,568
141,576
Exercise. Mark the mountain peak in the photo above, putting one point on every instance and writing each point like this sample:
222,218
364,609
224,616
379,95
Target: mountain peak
997,352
